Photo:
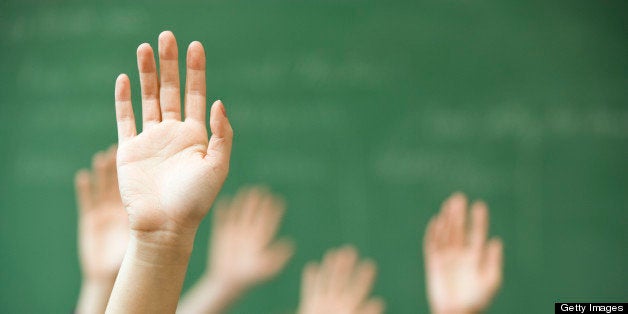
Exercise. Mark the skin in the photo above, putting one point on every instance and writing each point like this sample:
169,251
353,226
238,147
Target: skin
243,251
169,175
463,268
340,284
103,231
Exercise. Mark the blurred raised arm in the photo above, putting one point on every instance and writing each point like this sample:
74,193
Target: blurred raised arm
243,251
103,231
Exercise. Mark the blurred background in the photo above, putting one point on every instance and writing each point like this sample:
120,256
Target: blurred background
365,115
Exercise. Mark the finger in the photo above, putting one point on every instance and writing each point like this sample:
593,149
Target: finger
220,213
251,204
342,268
444,205
124,110
448,220
169,93
195,86
324,276
440,232
235,207
83,188
457,213
309,281
110,185
373,306
111,153
149,82
113,170
280,253
269,218
265,204
479,225
363,280
219,148
99,166
493,264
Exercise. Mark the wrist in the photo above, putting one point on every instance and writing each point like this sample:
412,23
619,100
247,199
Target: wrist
161,248
152,272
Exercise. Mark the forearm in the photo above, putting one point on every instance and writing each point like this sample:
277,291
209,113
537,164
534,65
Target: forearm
94,296
152,273
210,296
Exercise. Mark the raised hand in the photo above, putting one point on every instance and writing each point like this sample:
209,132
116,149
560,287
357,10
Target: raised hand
340,284
463,269
169,175
243,251
103,230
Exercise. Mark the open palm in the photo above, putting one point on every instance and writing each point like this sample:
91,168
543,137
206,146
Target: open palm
170,173
463,269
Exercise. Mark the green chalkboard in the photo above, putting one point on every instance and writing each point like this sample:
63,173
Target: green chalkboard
364,114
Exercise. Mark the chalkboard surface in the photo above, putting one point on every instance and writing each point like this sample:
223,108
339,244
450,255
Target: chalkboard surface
365,115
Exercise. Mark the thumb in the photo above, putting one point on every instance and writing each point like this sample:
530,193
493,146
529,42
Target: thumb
219,148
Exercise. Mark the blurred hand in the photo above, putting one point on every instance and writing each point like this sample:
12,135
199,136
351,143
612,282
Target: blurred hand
463,270
340,285
103,223
243,251
170,173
